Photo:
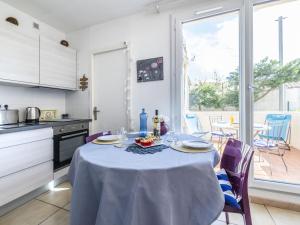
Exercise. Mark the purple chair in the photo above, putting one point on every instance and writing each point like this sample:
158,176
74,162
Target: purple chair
94,136
237,167
232,155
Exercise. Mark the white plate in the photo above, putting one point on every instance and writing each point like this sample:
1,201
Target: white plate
197,144
108,138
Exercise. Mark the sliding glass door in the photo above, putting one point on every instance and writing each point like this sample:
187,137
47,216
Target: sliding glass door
211,76
277,91
252,96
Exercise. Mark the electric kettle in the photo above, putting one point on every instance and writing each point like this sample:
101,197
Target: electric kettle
32,114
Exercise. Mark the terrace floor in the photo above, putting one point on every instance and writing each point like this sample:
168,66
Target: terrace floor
279,173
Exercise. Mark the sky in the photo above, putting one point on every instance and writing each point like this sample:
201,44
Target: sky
213,43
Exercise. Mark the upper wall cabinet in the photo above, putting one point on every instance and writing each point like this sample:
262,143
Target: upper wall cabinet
57,65
19,56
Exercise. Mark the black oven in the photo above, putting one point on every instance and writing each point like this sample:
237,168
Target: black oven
66,140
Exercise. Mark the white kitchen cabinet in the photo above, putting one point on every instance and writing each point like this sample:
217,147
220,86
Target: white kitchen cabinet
24,181
26,162
19,56
23,137
57,65
20,157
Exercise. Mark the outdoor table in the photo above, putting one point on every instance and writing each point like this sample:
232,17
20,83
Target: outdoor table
114,187
257,127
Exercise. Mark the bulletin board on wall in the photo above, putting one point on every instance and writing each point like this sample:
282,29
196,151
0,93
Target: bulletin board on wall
150,69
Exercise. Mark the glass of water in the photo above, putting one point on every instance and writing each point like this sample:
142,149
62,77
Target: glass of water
123,136
172,137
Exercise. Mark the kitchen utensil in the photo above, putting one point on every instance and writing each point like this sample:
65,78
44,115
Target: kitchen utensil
32,114
8,116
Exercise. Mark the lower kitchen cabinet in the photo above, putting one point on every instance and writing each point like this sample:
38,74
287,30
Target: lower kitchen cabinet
26,162
25,181
23,156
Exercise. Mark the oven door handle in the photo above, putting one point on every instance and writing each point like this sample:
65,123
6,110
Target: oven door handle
73,135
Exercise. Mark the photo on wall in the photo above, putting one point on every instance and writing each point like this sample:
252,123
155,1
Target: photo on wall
150,69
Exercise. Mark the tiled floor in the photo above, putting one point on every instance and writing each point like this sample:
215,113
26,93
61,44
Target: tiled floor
52,208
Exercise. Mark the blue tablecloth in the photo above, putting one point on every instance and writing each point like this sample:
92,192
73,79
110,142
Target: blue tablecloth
115,187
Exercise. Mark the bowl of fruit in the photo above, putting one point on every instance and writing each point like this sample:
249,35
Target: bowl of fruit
146,141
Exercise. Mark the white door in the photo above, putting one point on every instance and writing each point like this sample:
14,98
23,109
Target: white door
110,73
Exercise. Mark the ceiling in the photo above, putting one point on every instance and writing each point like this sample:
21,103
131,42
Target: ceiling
70,15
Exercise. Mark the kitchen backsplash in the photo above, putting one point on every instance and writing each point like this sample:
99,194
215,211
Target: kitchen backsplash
22,97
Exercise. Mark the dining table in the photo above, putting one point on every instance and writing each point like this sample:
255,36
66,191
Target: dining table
112,186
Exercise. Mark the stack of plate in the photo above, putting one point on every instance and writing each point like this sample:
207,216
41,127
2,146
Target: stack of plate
192,146
107,140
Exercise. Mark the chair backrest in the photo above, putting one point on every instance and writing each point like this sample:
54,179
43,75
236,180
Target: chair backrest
213,120
239,180
237,165
192,123
284,119
274,132
94,136
244,167
232,155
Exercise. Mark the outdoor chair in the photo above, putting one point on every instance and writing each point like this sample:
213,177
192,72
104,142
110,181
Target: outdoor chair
217,132
194,126
235,164
271,141
286,127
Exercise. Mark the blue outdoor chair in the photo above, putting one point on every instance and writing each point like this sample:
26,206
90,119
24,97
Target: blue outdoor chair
275,140
285,133
194,126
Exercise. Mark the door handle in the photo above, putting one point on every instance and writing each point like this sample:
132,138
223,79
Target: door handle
251,87
95,111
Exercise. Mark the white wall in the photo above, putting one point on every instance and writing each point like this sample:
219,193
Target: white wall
21,97
78,103
149,36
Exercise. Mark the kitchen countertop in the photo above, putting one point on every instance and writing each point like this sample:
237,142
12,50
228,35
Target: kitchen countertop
41,125
63,122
